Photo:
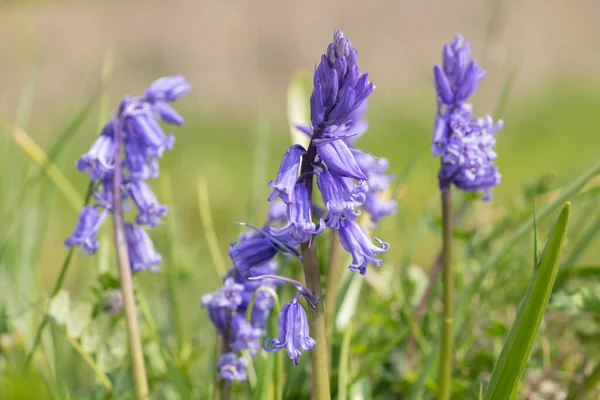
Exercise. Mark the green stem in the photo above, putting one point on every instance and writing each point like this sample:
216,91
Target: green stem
57,286
333,280
320,359
312,275
447,297
131,321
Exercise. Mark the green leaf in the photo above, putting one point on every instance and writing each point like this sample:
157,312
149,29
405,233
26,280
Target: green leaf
506,377
298,97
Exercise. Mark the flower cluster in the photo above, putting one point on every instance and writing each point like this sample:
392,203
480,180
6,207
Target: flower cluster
228,307
347,177
464,143
136,141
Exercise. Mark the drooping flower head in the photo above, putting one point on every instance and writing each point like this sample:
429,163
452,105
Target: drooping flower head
464,143
143,141
292,331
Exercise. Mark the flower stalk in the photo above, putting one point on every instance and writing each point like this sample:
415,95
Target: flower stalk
133,330
312,275
447,297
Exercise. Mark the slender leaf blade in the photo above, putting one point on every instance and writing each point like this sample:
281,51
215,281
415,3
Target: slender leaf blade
507,373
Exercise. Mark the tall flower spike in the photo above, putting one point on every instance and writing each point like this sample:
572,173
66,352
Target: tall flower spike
465,144
292,331
144,142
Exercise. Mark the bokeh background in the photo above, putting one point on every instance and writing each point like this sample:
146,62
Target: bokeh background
542,57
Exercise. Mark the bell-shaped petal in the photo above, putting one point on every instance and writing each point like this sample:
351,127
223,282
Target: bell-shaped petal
442,86
142,254
150,211
292,331
141,125
99,160
168,88
137,163
357,242
86,229
167,113
339,159
300,226
342,198
283,186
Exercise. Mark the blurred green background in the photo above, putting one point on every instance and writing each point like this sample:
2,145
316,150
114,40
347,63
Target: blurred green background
543,62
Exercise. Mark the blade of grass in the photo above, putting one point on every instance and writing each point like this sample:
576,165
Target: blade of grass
506,377
37,154
209,229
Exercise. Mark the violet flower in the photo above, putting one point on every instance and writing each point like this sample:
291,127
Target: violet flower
144,142
231,368
464,143
292,331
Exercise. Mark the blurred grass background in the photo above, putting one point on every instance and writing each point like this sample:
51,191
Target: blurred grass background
239,57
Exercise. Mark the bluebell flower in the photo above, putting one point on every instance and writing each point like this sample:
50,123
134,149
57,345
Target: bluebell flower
231,368
142,254
339,159
292,331
277,212
149,210
244,335
85,231
357,242
283,186
138,164
168,88
300,226
464,143
341,196
143,142
99,160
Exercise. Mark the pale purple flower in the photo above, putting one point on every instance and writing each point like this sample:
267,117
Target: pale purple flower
99,160
357,242
283,186
231,368
149,210
85,231
244,335
143,142
341,196
142,254
339,159
292,331
300,226
465,144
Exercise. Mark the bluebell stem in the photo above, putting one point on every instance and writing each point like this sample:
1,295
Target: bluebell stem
466,147
126,152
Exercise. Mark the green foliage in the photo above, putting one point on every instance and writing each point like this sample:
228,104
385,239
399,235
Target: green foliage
506,377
